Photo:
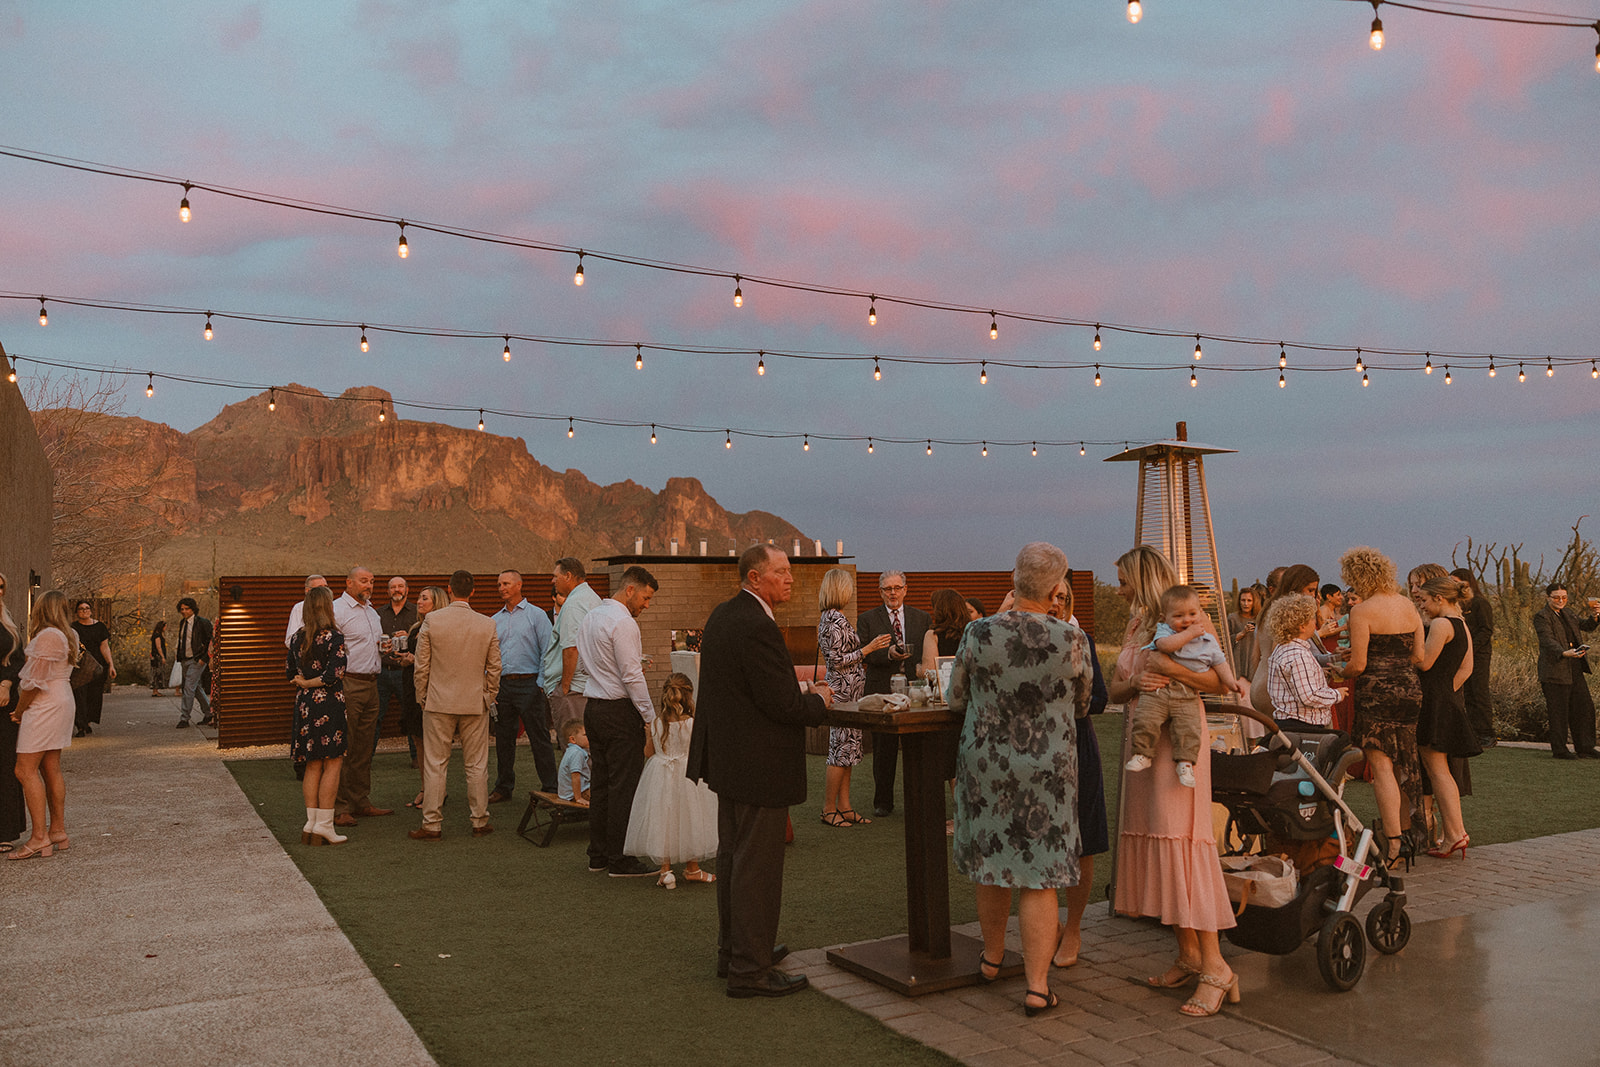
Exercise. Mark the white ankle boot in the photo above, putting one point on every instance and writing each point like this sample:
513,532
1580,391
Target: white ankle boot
308,831
323,831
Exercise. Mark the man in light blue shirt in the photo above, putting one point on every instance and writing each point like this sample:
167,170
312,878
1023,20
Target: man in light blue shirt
524,632
566,680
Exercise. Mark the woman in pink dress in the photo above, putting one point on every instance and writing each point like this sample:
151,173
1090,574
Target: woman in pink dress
1166,850
45,711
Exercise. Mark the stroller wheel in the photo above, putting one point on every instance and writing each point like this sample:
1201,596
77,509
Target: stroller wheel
1388,926
1341,951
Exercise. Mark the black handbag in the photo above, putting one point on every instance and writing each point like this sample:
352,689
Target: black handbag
88,670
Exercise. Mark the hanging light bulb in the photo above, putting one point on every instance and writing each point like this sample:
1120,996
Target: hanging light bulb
1364,382
728,441
983,372
1447,374
480,420
207,334
1360,366
577,275
1036,448
183,205
872,311
1283,357
1428,367
1197,346
383,411
869,446
638,357
986,450
569,429
1491,366
1597,50
1097,337
1081,450
1549,368
11,374
738,293
1193,381
1097,375
761,364
1376,38
1521,375
1282,382
505,354
806,446
405,249
994,327
44,316
1594,372
272,399
652,433
877,372
1135,11
930,448
150,383
363,337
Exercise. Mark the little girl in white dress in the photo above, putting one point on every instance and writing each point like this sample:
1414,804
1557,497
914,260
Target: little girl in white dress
674,820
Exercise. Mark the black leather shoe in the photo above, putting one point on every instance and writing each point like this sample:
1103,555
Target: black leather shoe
779,952
631,868
1591,754
184,725
1563,754
772,983
880,810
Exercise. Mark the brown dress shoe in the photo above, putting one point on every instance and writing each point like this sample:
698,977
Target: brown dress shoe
369,812
421,834
499,797
480,831
345,819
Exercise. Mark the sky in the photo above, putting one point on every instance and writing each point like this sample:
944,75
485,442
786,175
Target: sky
1249,169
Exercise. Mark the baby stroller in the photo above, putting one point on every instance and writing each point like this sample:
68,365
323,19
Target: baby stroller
1290,794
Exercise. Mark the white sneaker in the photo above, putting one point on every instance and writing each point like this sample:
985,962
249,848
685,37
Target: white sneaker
1138,763
1186,773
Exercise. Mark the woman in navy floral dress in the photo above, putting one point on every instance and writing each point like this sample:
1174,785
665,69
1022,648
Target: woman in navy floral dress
316,666
1019,680
840,648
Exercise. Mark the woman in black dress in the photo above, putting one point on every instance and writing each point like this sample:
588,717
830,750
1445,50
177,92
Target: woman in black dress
1479,614
950,618
1442,727
321,731
410,707
158,656
13,814
95,639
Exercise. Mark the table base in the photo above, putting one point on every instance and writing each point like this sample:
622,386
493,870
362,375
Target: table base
892,963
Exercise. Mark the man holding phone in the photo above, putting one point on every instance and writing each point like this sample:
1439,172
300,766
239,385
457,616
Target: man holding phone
1563,662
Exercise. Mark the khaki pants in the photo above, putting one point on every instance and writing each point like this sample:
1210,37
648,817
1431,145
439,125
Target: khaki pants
439,732
564,709
1177,706
361,713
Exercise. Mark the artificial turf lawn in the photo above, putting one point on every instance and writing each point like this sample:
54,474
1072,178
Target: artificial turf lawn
498,951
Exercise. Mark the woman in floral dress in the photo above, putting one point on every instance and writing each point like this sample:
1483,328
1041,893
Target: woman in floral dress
840,648
1020,679
316,666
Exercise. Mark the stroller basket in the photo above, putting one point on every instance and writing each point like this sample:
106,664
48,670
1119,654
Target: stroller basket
1279,931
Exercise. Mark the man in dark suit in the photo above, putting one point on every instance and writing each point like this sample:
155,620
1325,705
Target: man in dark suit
1562,666
193,651
749,747
905,627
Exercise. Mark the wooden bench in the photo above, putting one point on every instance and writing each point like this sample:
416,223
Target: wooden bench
547,812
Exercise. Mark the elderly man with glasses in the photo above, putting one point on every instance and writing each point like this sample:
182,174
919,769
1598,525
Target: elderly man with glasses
1563,662
906,627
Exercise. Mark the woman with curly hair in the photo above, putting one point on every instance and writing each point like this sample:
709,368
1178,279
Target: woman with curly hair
1019,679
1385,645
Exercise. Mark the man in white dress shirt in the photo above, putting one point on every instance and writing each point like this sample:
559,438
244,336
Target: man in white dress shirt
297,614
616,711
358,621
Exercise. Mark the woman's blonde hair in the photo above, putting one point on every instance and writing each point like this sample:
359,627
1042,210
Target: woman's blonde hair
440,598
10,625
51,609
1149,574
1446,587
1289,615
677,696
1369,572
1425,572
838,588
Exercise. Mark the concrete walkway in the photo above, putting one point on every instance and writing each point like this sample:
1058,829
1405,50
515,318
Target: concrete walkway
176,931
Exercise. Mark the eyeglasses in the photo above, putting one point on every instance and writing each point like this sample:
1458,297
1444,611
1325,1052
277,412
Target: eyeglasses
892,588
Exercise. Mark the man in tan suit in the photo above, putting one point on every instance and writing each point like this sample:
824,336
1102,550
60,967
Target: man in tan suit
458,675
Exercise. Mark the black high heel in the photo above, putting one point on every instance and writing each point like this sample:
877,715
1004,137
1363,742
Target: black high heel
1049,998
984,966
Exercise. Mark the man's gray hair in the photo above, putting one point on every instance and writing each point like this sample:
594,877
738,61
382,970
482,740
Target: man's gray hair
886,575
1040,565
313,579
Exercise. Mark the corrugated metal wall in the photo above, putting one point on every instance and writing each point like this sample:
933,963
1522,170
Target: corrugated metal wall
989,587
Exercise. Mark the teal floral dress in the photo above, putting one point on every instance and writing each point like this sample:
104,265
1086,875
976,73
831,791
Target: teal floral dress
1019,679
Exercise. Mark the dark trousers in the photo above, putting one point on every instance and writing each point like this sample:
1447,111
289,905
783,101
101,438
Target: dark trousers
522,701
1571,709
885,757
389,685
616,759
749,886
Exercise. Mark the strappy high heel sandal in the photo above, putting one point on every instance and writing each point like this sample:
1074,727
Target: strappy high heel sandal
834,819
985,966
1186,974
1049,998
1459,846
854,817
1199,1008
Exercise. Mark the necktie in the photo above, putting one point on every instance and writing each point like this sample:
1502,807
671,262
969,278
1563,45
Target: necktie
899,634
183,645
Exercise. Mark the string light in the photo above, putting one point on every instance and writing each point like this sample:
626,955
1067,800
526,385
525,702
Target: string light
207,333
569,429
1428,367
728,441
44,316
1196,346
1594,372
738,294
272,400
1283,356
806,446
1447,374
363,337
1549,369
1193,381
577,275
1282,382
872,310
480,420
1135,11
638,357
986,450
1491,366
383,411
1364,382
1097,375
11,374
505,354
1036,448
183,205
1376,39
877,372
652,433
930,448
994,327
1521,375
983,372
405,249
1360,366
1597,50
1082,451
761,364
869,446
1097,337
150,383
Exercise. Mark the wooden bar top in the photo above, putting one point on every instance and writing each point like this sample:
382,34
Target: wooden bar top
911,721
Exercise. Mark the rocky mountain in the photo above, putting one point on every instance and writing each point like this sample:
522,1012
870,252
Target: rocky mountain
319,484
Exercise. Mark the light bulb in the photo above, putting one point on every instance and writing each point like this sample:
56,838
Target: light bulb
738,293
869,446
1135,11
1594,372
1193,381
1097,337
383,412
1097,375
877,372
1282,382
994,327
1036,448
363,337
1597,57
11,375
983,373
150,383
1364,382
272,400
44,316
638,357
1360,366
761,365
577,275
1521,375
183,205
1196,346
207,333
986,450
1447,374
569,429
506,353
1082,451
872,311
1491,366
1428,367
1283,357
480,420
1549,369
930,448
405,249
1377,34
652,433
728,441
806,447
